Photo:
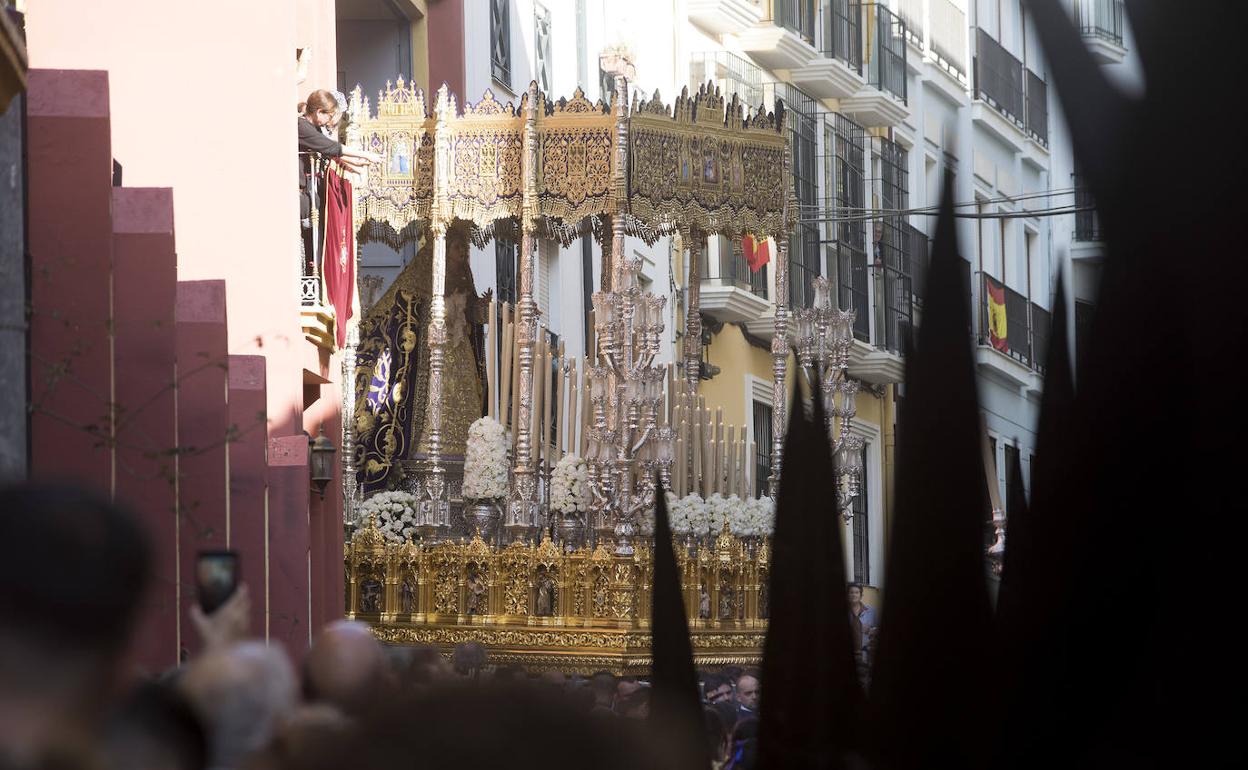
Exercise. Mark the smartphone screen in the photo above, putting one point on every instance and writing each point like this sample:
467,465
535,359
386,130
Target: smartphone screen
216,578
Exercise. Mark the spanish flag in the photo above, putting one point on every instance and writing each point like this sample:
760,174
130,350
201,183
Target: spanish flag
757,253
997,332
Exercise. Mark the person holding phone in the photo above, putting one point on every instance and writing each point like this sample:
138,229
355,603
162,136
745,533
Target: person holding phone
223,611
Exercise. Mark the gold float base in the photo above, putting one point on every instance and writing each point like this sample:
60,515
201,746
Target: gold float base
577,650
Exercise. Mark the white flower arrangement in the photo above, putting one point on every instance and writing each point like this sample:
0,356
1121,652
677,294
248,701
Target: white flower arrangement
693,515
689,515
753,517
485,462
394,512
569,485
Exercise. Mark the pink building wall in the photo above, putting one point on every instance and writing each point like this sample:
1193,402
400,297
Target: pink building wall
201,98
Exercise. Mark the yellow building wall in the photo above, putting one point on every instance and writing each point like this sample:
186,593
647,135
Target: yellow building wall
736,358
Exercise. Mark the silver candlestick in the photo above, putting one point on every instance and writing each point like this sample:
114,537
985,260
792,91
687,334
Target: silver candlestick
627,446
823,336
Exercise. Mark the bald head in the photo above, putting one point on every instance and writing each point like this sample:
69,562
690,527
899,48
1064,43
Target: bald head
240,692
345,666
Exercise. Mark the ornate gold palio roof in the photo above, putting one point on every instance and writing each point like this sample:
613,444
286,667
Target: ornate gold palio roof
702,162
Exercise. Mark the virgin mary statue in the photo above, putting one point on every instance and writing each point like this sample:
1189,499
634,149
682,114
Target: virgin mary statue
392,369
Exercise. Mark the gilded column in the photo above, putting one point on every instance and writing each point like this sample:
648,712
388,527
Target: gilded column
520,513
780,342
693,312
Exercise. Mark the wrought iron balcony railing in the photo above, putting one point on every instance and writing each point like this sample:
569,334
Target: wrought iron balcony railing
852,286
1025,336
735,271
311,232
894,292
733,75
1041,322
920,256
999,78
1016,92
1037,108
1087,224
887,53
795,15
1100,19
842,31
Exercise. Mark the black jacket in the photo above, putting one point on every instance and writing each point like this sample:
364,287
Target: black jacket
312,140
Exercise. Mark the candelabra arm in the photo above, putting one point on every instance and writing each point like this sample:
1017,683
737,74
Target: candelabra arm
645,436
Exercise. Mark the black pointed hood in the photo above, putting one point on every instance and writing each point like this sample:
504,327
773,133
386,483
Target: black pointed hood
675,706
1035,576
1138,466
931,694
811,700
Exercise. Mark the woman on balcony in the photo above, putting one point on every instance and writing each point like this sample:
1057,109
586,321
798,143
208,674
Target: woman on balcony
320,110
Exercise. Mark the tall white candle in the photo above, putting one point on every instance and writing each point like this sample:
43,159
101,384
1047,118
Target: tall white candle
491,358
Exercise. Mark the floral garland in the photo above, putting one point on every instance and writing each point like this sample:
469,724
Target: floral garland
485,462
693,515
394,513
569,488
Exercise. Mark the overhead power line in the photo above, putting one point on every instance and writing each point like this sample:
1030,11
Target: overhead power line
1056,211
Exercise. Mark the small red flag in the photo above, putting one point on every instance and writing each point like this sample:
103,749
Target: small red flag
757,253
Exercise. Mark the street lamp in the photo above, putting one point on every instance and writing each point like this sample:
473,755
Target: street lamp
823,336
321,453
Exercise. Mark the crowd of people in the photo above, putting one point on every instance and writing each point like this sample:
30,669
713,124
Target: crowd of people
70,698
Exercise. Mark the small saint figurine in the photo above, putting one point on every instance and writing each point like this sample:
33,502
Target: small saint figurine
475,603
407,596
725,603
545,596
370,596
704,604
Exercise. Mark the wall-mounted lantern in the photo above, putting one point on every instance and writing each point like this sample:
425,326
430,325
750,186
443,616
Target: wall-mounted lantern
321,453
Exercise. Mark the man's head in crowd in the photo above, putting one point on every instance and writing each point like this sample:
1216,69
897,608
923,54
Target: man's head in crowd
345,667
424,668
625,688
748,690
466,726
716,689
156,729
240,692
468,658
635,704
74,574
603,686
